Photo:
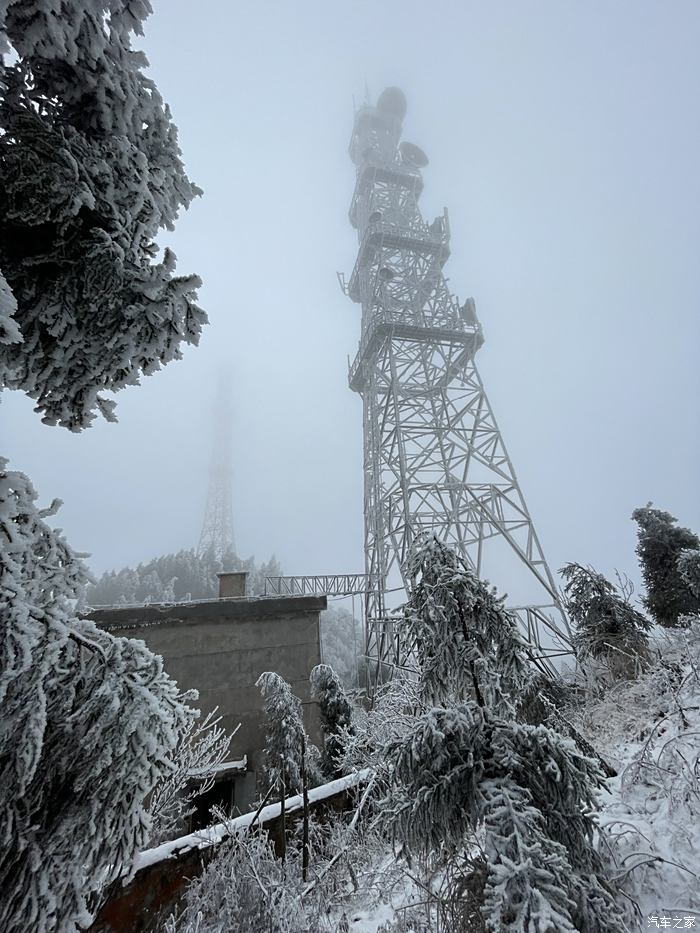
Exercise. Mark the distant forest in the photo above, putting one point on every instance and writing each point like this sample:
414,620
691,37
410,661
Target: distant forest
185,575
176,577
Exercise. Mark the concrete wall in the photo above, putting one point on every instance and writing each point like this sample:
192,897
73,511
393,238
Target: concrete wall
220,647
162,874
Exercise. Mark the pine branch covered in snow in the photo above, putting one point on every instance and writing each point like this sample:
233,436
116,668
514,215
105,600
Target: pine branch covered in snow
90,724
467,775
90,171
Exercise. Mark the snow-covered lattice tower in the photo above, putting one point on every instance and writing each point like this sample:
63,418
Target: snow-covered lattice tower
434,459
217,536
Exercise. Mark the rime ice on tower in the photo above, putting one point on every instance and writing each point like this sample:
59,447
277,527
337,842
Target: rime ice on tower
434,459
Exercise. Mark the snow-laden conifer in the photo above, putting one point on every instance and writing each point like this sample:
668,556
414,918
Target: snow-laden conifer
689,568
468,776
661,542
608,627
285,736
336,717
467,643
89,725
90,171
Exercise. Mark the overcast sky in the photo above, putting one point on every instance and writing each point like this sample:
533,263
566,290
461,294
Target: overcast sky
564,139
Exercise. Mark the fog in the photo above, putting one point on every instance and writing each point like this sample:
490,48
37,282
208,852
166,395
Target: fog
564,140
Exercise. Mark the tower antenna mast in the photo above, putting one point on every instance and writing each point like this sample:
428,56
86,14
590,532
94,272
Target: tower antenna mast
217,537
434,457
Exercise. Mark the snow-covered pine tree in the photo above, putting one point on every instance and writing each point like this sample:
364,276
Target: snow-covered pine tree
336,717
89,725
608,627
660,544
467,767
689,568
468,645
89,171
285,736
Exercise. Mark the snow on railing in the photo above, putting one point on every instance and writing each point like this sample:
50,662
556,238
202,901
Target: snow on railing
213,835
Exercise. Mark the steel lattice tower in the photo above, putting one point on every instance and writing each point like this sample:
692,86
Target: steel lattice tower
217,538
434,459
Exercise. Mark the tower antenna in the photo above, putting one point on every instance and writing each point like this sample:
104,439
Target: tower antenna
434,457
217,537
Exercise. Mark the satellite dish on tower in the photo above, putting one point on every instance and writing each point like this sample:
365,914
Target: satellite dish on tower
413,155
392,100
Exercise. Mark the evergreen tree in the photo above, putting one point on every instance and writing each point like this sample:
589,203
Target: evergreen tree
608,627
467,767
90,724
660,544
89,171
336,716
468,645
285,736
689,569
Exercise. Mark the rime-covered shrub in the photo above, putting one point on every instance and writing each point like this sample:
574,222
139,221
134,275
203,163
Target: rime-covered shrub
285,737
467,775
336,717
245,889
608,627
661,542
90,171
89,724
650,728
201,751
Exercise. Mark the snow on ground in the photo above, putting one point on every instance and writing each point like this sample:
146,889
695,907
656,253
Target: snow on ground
649,729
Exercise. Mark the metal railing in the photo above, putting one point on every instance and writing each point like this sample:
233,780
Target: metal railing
337,584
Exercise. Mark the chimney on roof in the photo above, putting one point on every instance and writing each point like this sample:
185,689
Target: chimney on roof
232,583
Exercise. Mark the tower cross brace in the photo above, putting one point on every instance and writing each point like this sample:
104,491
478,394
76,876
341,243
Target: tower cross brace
434,458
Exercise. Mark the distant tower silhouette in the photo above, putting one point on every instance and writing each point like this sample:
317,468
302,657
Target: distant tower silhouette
217,536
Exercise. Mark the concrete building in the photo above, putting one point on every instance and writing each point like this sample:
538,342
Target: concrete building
220,647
